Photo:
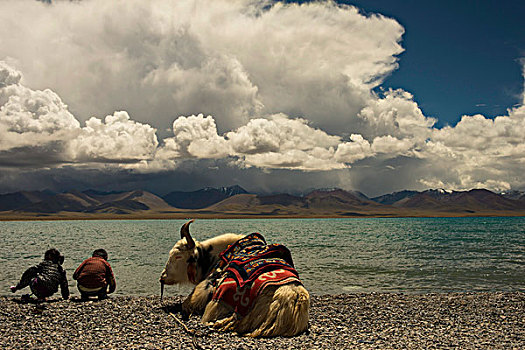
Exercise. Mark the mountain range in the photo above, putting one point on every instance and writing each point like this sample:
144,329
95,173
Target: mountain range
234,201
201,198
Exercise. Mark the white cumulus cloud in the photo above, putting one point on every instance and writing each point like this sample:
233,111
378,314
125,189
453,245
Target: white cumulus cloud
194,137
277,142
479,152
29,117
116,139
249,90
235,60
39,120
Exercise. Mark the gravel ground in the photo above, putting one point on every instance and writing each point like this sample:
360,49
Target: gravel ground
350,321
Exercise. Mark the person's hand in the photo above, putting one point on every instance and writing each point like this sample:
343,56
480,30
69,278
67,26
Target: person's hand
13,289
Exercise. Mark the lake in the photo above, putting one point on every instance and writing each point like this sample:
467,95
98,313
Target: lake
407,255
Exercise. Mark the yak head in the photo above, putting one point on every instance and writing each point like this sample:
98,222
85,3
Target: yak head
191,261
181,267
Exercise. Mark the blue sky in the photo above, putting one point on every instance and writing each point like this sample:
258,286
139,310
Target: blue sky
461,56
163,95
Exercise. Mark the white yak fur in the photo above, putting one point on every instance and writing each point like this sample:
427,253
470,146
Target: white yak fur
277,311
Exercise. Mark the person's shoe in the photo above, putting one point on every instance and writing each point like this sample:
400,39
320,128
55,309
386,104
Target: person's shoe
39,308
13,289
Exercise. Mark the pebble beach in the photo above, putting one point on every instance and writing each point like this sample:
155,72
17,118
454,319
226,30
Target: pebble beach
349,321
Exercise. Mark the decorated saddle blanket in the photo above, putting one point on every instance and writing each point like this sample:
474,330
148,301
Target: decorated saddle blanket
250,265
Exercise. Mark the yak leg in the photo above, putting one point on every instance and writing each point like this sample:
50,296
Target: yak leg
196,302
226,324
216,311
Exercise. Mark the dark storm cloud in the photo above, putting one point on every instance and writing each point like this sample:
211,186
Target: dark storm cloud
178,95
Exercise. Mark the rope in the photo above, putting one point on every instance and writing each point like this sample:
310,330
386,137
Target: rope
191,332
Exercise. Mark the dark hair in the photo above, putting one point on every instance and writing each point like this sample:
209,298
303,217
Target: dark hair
101,253
54,256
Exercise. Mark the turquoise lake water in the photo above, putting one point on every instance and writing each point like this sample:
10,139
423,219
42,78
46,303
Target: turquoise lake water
408,255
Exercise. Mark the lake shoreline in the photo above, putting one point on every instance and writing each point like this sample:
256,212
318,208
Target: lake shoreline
348,321
152,216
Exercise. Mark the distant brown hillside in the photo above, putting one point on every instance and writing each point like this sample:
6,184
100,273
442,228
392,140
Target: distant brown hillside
96,202
470,201
339,203
16,200
318,203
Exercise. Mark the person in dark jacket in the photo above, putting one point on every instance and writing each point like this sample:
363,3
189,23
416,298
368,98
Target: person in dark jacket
45,278
95,276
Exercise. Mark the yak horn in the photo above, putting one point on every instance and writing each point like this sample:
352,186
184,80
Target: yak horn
185,232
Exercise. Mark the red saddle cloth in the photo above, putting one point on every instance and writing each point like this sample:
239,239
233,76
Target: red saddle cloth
249,266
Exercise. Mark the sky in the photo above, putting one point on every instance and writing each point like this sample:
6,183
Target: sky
164,95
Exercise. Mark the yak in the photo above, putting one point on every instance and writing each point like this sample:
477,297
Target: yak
236,291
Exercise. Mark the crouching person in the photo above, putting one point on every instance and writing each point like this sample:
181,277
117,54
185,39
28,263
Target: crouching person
45,278
95,276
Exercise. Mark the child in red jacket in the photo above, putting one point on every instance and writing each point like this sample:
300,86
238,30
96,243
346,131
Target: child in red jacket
94,276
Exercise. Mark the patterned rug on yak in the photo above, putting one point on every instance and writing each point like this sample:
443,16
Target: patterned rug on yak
250,265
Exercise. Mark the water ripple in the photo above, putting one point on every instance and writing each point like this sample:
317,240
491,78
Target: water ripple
410,255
